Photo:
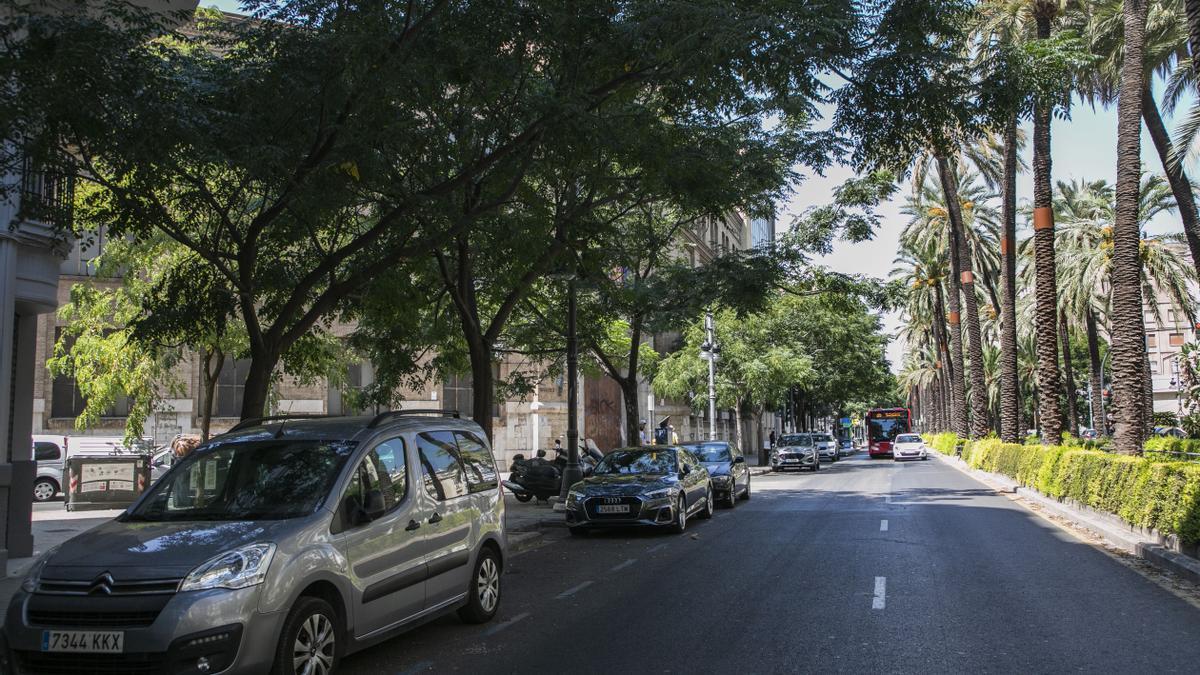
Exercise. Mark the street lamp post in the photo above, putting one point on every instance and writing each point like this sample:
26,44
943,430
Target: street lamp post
709,351
573,473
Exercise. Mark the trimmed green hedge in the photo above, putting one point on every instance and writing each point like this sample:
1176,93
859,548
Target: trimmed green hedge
943,443
1146,492
1172,444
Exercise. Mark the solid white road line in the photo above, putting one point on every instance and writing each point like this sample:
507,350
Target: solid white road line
883,526
880,598
623,565
572,591
501,626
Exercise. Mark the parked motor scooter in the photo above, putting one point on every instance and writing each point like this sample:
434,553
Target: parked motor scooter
542,479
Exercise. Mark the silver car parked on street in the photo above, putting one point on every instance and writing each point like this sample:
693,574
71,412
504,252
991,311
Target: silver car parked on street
278,547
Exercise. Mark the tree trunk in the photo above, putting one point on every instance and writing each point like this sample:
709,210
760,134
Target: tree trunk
958,393
966,276
1010,392
1072,400
629,396
483,385
1181,187
737,424
1192,9
1128,331
258,381
1096,375
1043,242
214,361
1148,397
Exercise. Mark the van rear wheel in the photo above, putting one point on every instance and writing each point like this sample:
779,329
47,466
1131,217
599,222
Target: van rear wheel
483,596
311,639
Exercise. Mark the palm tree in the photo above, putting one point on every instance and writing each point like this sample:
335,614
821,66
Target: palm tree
1165,54
1088,214
1016,21
1128,329
942,221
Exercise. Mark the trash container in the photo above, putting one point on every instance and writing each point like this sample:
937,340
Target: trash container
109,482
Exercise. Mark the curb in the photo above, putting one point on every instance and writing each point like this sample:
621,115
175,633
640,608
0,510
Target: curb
519,542
1114,531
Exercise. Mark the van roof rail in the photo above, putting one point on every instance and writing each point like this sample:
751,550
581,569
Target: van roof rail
255,421
385,416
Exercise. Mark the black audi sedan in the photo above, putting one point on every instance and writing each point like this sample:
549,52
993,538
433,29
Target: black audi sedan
656,486
727,467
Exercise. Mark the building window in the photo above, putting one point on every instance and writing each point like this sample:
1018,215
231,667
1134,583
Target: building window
1175,339
231,387
345,400
457,392
65,397
1152,340
1154,368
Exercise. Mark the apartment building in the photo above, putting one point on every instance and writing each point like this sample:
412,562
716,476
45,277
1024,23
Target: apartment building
1167,330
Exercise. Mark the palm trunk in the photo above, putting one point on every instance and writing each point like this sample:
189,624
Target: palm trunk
1096,374
1128,329
958,391
1192,9
1181,187
1046,291
1072,400
1010,393
966,276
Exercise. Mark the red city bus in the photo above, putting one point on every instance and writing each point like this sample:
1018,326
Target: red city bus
883,425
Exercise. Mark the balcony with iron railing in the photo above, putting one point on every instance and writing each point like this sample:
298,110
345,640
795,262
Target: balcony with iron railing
46,196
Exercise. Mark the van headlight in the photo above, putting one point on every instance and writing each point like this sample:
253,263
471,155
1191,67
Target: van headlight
239,568
34,576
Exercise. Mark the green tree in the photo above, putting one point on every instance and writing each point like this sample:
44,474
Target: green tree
755,370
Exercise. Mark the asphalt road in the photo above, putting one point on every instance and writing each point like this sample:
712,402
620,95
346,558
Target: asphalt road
867,566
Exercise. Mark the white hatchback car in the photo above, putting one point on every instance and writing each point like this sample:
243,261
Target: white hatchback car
909,446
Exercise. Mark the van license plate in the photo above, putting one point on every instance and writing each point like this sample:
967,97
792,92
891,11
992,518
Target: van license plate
83,641
610,508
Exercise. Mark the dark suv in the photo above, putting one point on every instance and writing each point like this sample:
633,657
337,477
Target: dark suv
278,547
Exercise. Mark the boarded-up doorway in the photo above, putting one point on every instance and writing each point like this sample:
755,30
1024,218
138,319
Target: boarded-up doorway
602,412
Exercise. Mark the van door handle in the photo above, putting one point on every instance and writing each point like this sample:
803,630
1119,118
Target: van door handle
412,525
435,518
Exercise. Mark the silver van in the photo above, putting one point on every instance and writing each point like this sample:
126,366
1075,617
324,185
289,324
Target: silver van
49,453
278,547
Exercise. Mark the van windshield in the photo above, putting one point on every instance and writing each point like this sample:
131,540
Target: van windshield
270,480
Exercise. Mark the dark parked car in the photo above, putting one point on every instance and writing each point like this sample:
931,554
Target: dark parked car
727,467
846,447
655,485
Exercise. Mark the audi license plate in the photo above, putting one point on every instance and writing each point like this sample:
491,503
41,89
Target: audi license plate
612,508
83,641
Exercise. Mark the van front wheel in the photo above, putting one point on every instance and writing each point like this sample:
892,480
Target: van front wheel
311,639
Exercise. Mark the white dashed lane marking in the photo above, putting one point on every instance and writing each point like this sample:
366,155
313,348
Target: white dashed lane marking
623,565
501,626
572,591
880,599
883,526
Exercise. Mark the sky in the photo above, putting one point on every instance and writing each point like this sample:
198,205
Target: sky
1083,147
